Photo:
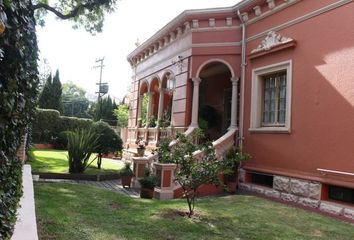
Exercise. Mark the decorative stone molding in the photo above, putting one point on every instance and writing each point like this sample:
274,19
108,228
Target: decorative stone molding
229,21
257,10
289,197
172,36
348,213
272,39
271,4
187,26
179,32
257,189
160,43
195,23
211,22
272,193
331,208
309,202
165,41
244,16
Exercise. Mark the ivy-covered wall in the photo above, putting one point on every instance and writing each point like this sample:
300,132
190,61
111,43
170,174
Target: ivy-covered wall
18,84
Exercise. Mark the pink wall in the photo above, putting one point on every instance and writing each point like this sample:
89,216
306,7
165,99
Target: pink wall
322,115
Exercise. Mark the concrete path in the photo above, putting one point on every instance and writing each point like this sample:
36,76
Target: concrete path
26,227
112,185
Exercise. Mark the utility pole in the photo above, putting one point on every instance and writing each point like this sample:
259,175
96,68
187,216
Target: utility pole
102,87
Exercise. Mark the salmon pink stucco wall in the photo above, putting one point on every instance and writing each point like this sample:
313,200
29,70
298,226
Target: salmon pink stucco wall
322,104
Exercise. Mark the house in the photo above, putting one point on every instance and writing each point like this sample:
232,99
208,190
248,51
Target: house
274,77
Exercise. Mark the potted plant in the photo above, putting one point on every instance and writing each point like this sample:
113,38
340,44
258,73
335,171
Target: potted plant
141,147
232,160
147,183
126,174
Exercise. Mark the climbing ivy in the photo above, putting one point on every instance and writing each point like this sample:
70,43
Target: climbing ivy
18,84
19,81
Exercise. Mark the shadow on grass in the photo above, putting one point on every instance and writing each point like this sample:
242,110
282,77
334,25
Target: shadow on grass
100,214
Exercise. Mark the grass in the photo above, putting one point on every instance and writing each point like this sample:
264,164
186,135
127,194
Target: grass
68,211
55,161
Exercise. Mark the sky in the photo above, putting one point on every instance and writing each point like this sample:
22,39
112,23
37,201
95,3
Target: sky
74,52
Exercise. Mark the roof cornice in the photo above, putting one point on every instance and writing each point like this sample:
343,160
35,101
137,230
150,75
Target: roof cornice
186,15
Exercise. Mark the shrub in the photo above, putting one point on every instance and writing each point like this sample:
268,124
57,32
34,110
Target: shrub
126,171
149,180
81,144
108,140
45,125
61,142
48,125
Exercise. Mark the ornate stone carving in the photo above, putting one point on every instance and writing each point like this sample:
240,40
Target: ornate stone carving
271,4
211,22
179,32
244,16
187,26
195,23
257,10
272,39
229,21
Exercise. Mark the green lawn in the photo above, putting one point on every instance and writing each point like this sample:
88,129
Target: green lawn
55,161
68,211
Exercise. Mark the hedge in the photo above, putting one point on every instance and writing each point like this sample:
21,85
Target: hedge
18,91
48,125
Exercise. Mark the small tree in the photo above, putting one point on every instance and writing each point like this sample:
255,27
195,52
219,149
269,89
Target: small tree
81,144
108,140
122,114
193,173
51,94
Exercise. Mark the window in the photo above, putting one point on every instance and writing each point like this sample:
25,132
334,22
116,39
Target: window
341,194
271,98
262,179
274,99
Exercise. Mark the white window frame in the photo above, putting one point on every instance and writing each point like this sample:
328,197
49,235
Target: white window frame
257,97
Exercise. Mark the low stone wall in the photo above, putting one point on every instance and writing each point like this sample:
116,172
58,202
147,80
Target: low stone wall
299,191
26,226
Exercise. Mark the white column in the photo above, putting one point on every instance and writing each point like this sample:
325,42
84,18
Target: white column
161,103
149,107
233,123
195,106
140,103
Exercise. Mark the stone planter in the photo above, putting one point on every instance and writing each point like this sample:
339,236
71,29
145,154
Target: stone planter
165,172
126,181
139,165
147,193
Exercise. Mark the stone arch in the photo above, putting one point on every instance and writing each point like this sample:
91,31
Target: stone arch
206,63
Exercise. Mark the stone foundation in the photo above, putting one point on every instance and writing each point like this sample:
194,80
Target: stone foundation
299,191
